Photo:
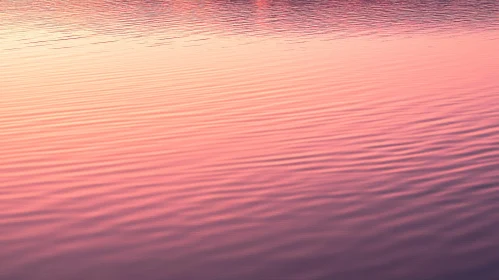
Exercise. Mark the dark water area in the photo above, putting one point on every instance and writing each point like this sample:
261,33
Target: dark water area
285,139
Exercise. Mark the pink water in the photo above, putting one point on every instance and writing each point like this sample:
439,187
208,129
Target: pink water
244,139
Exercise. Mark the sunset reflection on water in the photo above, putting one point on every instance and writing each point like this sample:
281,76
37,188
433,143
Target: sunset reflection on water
249,139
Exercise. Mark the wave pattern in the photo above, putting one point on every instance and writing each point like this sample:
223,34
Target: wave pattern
244,151
170,22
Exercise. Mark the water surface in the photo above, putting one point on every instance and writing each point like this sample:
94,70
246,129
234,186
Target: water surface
286,139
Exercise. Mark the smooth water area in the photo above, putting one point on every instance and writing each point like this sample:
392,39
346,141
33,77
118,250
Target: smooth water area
249,139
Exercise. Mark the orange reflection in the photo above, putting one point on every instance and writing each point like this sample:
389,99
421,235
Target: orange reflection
261,4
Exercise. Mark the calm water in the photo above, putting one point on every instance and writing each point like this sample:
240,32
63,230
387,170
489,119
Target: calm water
249,139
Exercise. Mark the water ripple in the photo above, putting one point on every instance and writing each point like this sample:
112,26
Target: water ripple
249,139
